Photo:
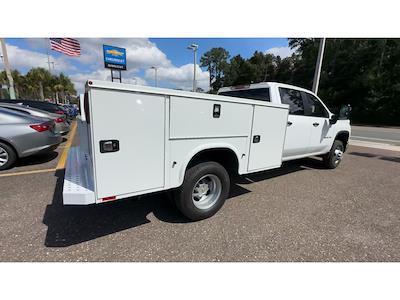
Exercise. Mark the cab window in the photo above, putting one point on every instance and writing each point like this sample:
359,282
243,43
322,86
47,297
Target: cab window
293,99
255,94
314,107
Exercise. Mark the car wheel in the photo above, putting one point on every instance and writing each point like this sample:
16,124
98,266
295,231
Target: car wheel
334,157
204,190
7,156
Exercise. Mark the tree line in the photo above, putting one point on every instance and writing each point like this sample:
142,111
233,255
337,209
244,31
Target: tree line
362,72
39,84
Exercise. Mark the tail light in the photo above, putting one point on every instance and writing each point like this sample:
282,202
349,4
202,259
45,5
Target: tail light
41,127
59,120
60,112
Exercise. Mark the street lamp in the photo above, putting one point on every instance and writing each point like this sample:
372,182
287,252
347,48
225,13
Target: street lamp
318,65
194,47
155,75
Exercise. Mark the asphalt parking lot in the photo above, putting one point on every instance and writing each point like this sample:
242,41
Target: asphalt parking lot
300,212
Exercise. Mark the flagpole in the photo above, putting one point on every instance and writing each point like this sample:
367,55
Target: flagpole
48,55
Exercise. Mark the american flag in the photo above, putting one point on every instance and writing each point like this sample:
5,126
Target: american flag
67,46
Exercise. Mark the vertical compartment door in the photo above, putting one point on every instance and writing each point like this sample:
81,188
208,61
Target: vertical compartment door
268,136
135,122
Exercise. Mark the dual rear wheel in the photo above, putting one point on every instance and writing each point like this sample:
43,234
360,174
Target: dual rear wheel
204,190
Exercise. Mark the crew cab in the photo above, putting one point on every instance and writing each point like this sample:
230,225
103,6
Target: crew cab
136,140
311,128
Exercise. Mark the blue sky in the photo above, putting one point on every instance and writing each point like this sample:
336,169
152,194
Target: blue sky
176,48
174,61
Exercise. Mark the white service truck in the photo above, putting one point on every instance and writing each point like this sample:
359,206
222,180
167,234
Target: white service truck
136,140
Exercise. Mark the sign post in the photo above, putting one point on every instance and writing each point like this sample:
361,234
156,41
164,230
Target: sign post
114,59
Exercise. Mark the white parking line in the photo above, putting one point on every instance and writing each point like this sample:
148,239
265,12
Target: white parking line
375,139
374,145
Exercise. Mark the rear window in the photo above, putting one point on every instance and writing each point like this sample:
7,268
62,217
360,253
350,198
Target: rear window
255,94
42,105
18,110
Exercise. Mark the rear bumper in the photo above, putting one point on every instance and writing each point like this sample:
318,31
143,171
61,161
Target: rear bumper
78,180
41,143
62,128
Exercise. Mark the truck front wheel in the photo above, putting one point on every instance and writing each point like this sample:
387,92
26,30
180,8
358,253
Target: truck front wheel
204,190
334,157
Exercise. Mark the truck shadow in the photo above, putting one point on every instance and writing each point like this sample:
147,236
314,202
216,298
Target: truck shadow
382,157
37,159
71,225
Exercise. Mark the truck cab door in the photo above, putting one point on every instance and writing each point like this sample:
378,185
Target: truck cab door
298,129
321,133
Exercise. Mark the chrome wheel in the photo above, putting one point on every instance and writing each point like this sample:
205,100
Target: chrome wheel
3,157
206,191
338,153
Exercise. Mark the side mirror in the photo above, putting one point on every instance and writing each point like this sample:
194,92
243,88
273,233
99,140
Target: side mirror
344,112
333,119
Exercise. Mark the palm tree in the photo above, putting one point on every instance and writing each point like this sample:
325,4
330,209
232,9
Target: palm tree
58,88
18,83
38,77
3,81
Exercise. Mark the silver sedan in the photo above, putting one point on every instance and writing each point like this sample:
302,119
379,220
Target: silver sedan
61,124
22,135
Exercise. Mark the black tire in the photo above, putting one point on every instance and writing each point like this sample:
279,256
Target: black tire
7,153
331,159
184,199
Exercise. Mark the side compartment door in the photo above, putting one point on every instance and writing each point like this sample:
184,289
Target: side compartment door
136,122
268,135
298,130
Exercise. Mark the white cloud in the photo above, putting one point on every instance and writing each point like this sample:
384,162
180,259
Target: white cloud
23,58
281,51
181,77
79,79
141,53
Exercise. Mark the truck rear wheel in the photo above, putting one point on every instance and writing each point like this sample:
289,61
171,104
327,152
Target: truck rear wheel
334,157
204,190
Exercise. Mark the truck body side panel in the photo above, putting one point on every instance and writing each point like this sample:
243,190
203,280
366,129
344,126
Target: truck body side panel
183,150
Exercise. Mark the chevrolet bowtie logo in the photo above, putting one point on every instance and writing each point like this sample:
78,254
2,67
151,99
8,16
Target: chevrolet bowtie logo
114,52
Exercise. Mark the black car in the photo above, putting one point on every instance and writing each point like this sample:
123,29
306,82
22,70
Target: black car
43,105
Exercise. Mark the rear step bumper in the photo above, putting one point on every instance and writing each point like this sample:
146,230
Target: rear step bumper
78,180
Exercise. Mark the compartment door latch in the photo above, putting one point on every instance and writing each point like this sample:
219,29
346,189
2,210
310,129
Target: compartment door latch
109,146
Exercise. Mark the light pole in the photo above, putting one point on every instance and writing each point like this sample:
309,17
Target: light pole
8,69
194,47
155,76
318,65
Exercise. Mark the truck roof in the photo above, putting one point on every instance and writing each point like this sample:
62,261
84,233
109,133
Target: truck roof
177,93
261,85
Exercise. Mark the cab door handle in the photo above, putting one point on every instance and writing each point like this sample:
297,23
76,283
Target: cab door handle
315,124
289,123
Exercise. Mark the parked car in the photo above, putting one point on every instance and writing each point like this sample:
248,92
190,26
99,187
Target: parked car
43,105
61,123
70,110
23,135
